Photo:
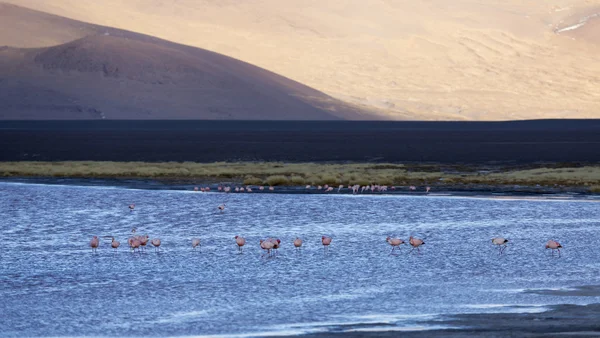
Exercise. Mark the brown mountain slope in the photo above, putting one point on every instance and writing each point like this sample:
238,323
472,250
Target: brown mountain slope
476,59
114,74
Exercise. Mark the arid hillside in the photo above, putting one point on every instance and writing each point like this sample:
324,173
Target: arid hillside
435,59
86,71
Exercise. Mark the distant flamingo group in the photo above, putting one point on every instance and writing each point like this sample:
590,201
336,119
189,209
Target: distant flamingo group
355,189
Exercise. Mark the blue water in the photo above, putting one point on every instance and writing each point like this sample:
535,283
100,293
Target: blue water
51,284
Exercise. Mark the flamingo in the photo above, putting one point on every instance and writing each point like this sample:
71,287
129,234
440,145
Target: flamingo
501,243
326,242
271,188
427,190
156,243
267,245
276,243
261,188
222,207
554,245
195,188
319,187
416,243
94,243
195,243
143,241
298,243
240,241
394,242
135,243
114,244
307,186
131,207
340,187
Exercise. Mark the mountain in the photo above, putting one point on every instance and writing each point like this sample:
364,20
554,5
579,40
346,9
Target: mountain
434,59
58,68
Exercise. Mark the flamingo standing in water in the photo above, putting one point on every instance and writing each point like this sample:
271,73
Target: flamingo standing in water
554,245
143,242
156,243
298,243
416,243
240,241
501,243
222,207
340,187
131,207
195,243
394,242
271,188
267,245
276,243
94,243
114,244
326,241
427,190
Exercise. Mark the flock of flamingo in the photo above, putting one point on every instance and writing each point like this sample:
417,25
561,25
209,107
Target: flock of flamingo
271,245
324,188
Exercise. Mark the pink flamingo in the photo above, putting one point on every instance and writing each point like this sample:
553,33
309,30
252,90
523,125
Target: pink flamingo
501,243
554,245
308,186
266,245
143,241
131,207
276,243
261,188
219,188
427,190
271,188
156,243
195,188
94,243
340,187
135,243
394,242
319,187
326,240
195,243
416,243
222,207
114,244
298,243
240,241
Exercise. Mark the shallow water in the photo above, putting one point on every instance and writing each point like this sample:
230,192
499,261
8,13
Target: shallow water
52,285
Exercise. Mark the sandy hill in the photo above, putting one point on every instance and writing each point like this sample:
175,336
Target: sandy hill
468,59
88,71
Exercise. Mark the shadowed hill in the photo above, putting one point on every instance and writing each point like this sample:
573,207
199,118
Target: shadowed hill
437,59
108,73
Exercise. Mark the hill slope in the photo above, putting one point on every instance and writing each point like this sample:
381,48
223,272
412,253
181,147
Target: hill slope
115,74
474,59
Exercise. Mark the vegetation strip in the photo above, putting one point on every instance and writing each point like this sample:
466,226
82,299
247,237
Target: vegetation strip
298,174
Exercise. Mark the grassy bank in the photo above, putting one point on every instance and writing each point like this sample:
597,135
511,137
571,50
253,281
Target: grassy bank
298,174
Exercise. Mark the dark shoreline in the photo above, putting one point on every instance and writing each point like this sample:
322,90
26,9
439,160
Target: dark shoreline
565,320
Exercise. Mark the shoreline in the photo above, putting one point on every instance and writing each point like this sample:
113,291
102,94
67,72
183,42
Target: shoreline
563,320
524,192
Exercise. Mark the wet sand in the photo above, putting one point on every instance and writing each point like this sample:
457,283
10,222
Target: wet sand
560,321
